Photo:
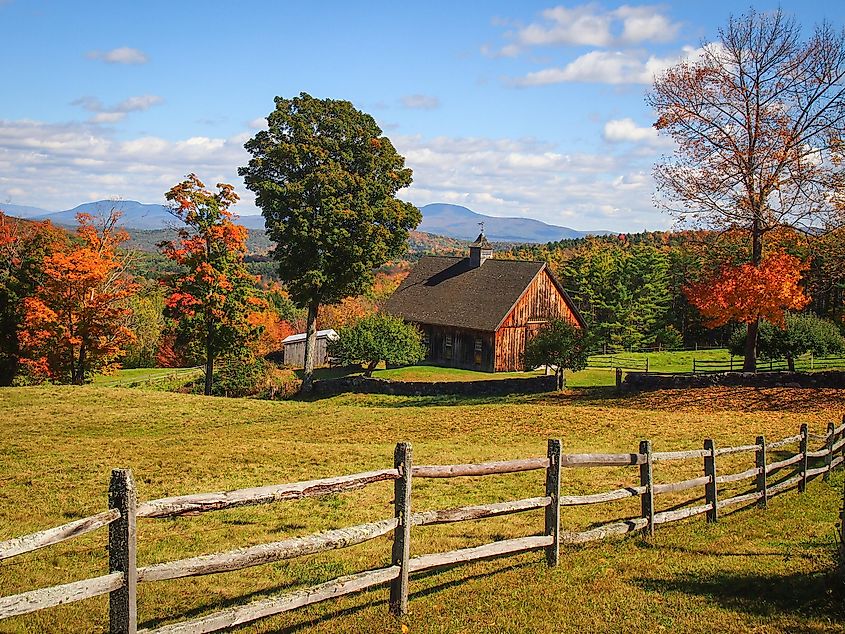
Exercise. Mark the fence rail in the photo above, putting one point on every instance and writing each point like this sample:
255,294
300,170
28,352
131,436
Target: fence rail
734,364
124,575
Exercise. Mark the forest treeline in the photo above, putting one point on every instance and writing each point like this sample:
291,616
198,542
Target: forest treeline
633,288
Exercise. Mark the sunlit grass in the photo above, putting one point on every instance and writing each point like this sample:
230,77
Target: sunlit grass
754,570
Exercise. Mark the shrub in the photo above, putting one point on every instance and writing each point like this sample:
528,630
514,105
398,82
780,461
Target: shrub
801,334
378,337
560,344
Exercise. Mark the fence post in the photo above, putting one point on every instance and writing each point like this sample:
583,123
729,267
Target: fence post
710,490
618,378
760,462
829,446
123,602
646,365
802,447
402,460
553,509
647,481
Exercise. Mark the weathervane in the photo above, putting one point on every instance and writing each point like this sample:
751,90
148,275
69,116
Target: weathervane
481,224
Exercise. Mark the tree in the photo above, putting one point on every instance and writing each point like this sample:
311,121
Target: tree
748,293
799,334
325,179
378,337
147,323
758,124
23,247
561,344
213,299
76,320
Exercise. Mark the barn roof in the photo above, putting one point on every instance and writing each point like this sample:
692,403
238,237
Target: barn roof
448,291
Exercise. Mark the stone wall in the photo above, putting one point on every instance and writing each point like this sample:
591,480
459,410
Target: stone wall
488,387
640,381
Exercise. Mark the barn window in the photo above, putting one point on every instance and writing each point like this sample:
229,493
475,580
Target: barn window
448,352
478,351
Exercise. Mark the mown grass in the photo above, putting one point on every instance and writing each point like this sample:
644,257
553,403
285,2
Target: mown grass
754,571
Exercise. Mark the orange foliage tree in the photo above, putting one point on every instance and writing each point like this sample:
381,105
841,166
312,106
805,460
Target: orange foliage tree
75,322
23,247
746,293
213,300
757,123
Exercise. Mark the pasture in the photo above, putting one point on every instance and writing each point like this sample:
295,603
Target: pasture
753,571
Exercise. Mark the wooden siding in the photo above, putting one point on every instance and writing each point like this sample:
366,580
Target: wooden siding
454,347
541,302
295,353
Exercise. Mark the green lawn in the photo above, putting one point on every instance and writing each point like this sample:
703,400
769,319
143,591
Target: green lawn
144,376
755,570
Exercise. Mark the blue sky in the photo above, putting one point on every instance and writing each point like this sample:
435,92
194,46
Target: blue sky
530,109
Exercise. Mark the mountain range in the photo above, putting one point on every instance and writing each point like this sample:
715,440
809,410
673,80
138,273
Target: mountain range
442,219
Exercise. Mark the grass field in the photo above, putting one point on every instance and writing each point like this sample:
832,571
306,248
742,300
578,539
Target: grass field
761,571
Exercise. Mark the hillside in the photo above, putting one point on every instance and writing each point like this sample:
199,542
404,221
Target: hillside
451,221
459,222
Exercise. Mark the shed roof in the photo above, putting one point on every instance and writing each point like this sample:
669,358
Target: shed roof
449,291
329,334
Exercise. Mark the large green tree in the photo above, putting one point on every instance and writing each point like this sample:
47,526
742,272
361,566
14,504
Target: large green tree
326,180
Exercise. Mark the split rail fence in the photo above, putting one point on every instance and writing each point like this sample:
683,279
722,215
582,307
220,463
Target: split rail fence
123,511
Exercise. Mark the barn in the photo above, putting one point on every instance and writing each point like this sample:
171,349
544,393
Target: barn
294,348
477,312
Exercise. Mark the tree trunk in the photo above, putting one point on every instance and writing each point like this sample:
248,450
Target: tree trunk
78,377
310,347
561,378
209,371
749,364
370,367
790,362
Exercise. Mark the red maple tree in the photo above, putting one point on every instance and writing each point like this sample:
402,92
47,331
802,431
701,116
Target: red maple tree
746,293
75,321
212,301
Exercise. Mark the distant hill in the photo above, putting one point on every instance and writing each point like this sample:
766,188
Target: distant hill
22,211
452,221
462,223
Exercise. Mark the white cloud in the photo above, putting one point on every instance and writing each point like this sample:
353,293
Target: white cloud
420,102
62,165
607,67
259,123
579,26
122,55
590,25
113,114
645,24
527,178
622,130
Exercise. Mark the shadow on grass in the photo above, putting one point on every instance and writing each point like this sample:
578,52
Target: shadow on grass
215,605
758,594
383,604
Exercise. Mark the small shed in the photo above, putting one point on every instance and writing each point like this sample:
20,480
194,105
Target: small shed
295,348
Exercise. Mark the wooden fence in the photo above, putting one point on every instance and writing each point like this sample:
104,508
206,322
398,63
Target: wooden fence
734,364
123,511
613,362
